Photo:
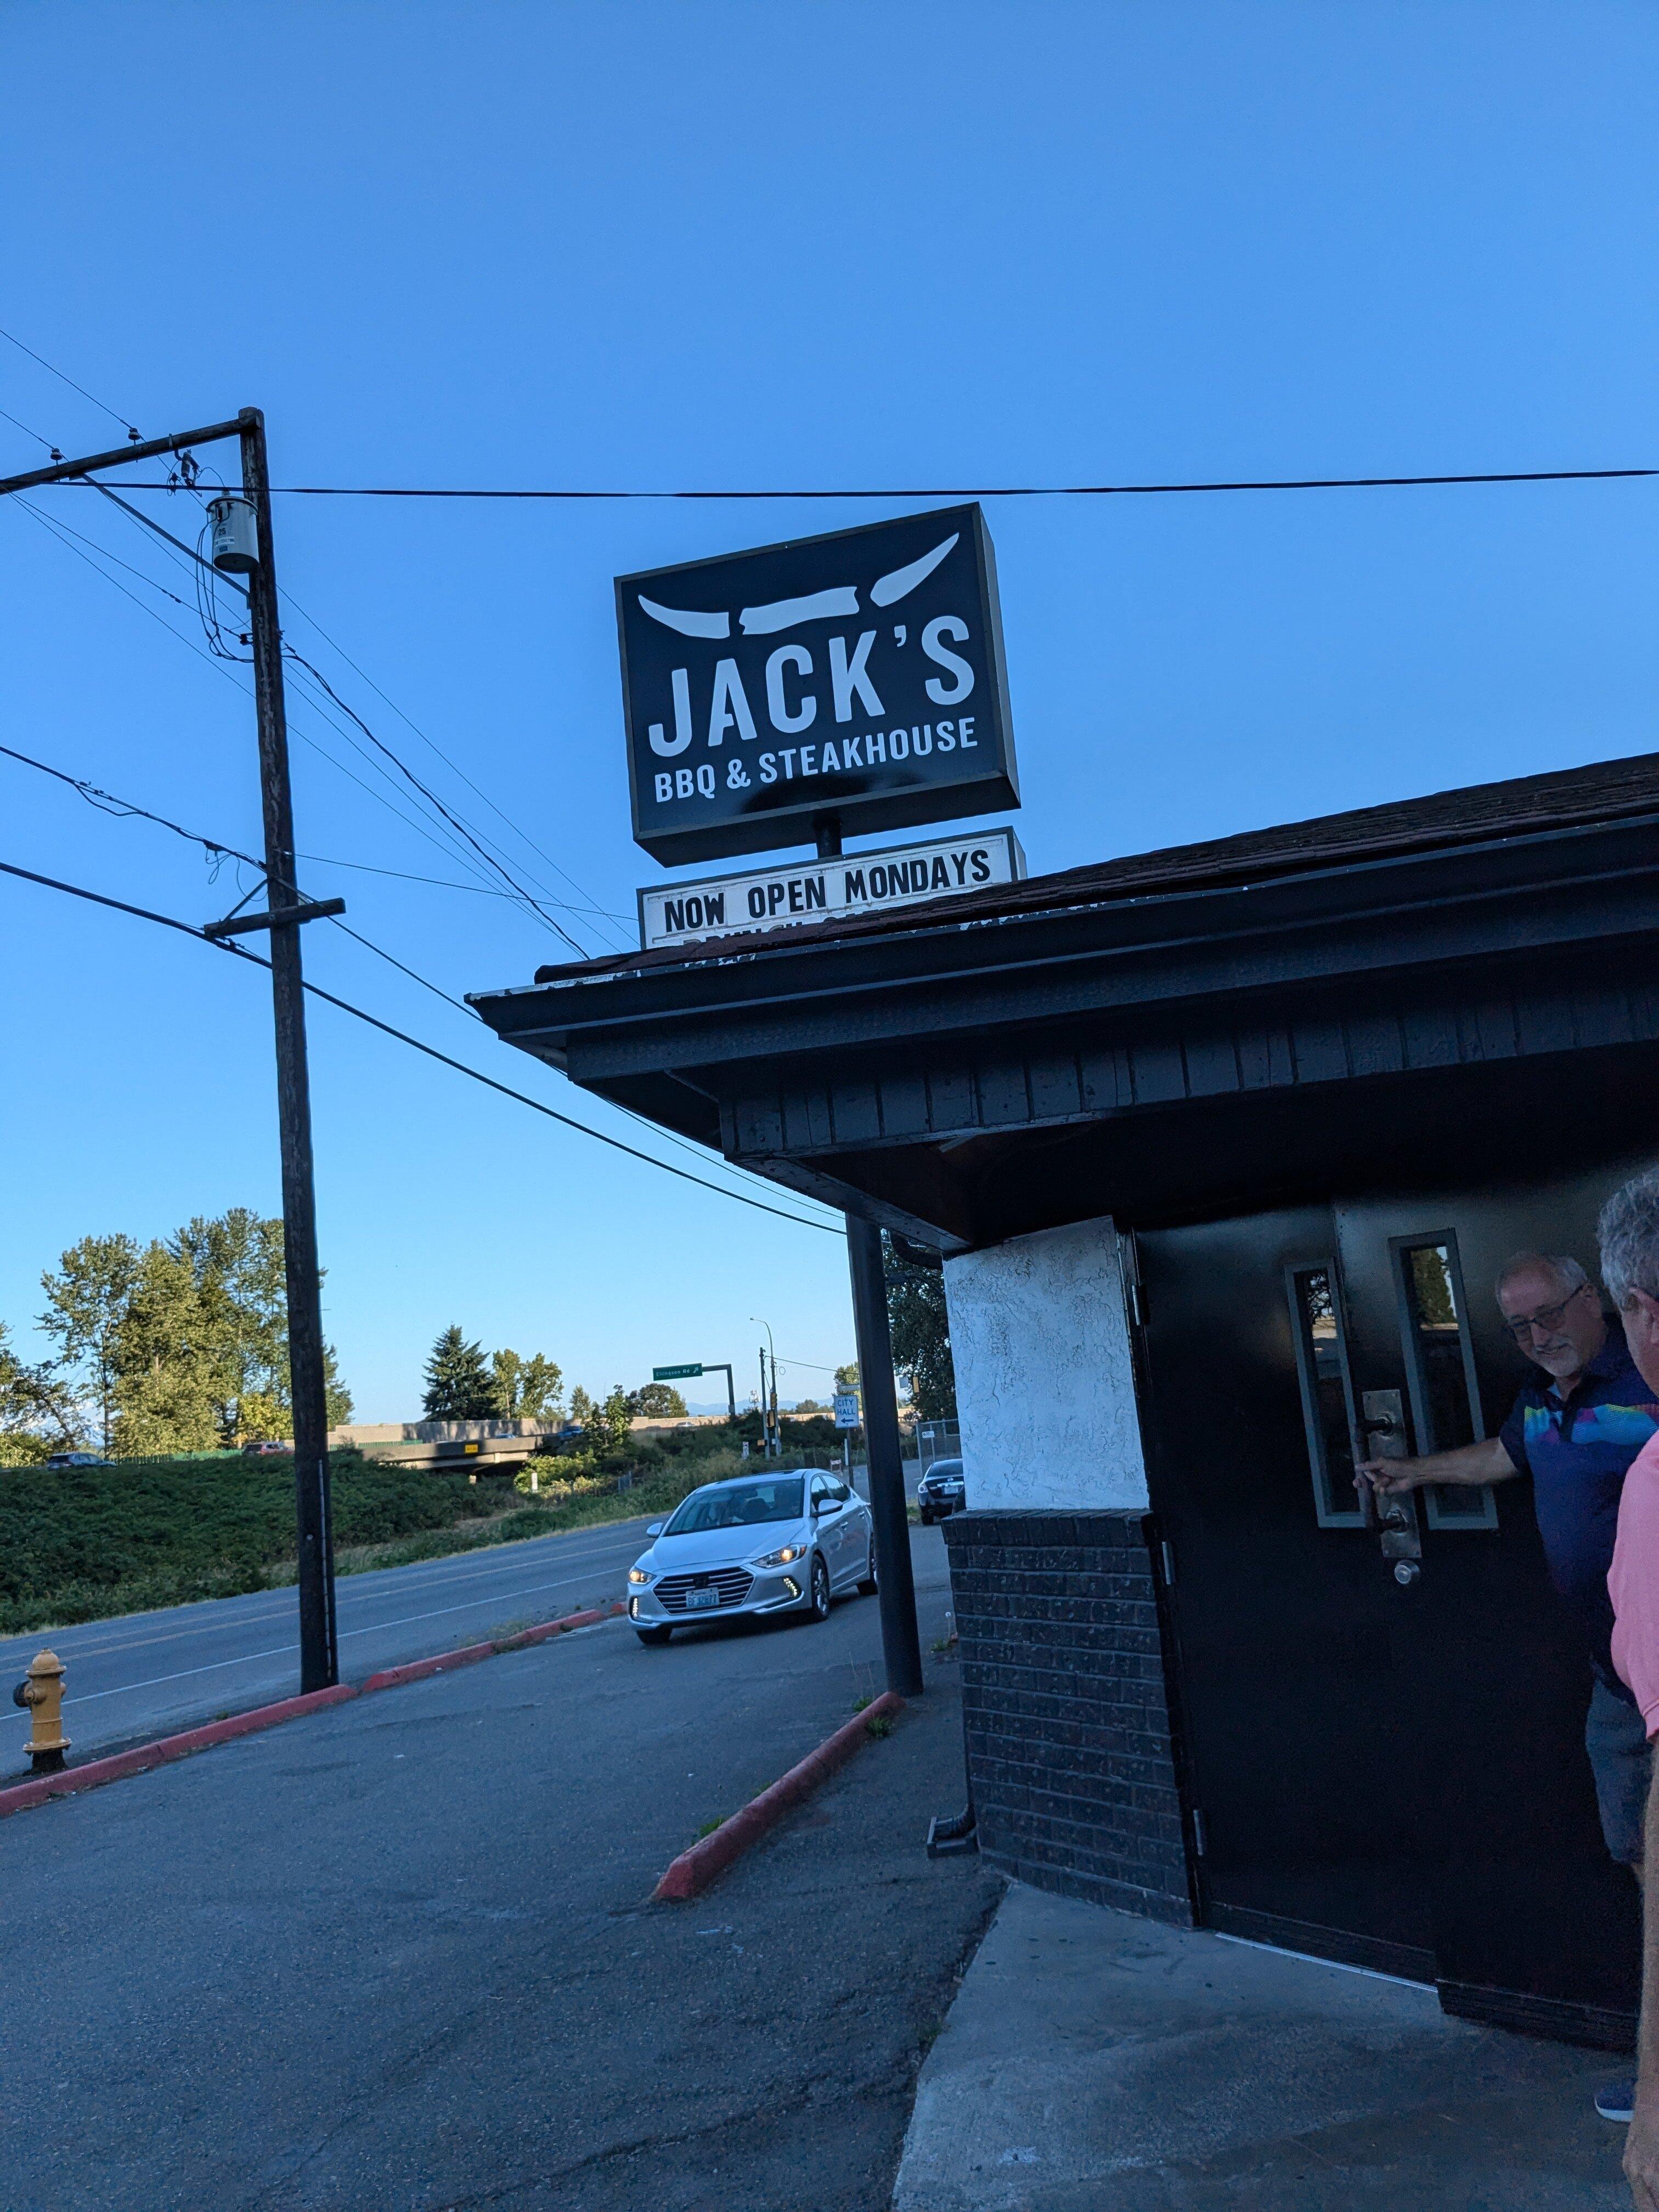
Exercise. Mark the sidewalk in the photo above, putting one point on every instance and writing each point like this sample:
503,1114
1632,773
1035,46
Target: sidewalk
1096,2062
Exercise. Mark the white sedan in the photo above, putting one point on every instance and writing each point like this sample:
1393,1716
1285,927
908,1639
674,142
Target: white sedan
769,1543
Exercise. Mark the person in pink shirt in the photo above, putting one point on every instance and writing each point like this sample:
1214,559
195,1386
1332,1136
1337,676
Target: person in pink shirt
1629,1236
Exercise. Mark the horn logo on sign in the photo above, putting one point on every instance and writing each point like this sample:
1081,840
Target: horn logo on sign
856,678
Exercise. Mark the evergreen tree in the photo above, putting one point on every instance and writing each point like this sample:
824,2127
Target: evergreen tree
582,1407
458,1384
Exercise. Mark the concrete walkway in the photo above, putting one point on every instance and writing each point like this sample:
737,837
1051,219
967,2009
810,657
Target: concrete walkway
1093,2062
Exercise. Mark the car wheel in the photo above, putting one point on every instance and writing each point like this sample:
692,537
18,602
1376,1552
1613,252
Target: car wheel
867,1587
653,1635
924,1516
819,1597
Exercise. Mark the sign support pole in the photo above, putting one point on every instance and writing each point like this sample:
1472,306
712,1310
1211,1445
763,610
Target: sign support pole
319,1655
900,1645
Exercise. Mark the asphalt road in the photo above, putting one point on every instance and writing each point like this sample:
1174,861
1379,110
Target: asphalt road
150,1674
399,1956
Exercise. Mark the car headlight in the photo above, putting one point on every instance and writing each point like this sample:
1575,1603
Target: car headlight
783,1556
637,1575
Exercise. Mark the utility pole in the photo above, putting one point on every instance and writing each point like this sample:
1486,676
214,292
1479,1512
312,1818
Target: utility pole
318,1645
900,1645
320,1650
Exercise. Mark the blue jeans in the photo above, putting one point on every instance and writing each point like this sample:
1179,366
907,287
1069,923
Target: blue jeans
1616,1738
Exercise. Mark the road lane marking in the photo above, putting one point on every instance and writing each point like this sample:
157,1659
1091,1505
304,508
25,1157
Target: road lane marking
245,1658
252,1619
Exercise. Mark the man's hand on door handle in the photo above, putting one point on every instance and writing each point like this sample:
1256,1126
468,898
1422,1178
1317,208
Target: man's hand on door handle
1471,1465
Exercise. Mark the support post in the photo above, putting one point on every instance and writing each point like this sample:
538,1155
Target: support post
900,1645
319,1663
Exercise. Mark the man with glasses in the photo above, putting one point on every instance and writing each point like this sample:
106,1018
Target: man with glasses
1578,1423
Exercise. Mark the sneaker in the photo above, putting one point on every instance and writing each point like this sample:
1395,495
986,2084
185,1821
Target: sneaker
1616,2100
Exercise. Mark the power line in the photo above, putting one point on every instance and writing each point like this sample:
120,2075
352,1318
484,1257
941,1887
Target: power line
194,556
39,439
107,802
567,1121
453,766
200,565
956,491
431,797
101,405
64,532
122,809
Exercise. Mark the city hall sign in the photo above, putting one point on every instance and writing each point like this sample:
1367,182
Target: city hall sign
853,682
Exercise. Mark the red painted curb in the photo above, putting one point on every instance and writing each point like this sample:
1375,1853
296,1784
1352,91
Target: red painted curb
550,1628
692,1872
417,1670
145,1756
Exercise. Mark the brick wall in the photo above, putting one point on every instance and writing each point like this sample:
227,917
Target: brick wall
1065,1710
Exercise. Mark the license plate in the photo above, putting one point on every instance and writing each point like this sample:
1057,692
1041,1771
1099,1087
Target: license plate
697,1600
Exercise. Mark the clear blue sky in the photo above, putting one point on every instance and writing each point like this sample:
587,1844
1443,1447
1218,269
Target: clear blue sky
758,244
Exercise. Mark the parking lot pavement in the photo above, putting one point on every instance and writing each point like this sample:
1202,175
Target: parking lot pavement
147,1674
399,1954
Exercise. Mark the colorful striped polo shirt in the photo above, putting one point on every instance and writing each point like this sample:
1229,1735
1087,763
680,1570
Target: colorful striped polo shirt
1578,1452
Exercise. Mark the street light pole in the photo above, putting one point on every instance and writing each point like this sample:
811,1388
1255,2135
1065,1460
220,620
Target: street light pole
768,1424
320,1658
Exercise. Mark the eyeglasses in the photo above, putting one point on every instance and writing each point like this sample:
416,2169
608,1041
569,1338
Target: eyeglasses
1548,1318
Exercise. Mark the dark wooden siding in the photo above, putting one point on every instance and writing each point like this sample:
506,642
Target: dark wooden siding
904,1098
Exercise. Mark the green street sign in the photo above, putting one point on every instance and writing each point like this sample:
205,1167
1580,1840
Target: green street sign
675,1374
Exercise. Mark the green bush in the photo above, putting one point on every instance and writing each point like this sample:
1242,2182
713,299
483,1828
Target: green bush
82,1543
86,1543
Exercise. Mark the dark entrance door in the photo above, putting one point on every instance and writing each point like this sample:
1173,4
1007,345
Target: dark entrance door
1383,1727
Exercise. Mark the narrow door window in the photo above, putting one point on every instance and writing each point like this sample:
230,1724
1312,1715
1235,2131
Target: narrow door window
1327,1401
1445,1397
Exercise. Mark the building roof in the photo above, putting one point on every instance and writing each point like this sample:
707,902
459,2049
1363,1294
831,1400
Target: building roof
1479,813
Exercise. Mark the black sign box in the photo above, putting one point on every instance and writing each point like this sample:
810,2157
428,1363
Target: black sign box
858,677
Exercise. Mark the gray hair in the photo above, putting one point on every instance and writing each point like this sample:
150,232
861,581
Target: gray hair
1629,1235
1567,1271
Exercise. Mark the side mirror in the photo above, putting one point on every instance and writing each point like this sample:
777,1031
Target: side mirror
653,1528
819,1505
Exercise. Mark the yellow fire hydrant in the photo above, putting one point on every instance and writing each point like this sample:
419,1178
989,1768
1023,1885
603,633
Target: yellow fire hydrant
41,1696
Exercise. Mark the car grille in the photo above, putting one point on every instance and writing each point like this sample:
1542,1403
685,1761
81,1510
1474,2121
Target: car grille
733,1585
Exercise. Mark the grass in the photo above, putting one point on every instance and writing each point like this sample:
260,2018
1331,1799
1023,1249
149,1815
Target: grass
80,1544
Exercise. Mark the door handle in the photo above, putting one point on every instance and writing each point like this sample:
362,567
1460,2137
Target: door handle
1383,1419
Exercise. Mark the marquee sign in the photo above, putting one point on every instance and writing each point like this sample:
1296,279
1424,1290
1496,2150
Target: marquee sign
857,676
827,890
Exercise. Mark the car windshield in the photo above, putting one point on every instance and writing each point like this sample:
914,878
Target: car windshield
946,1467
740,1506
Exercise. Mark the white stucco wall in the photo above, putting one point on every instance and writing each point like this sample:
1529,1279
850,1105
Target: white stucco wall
1045,1392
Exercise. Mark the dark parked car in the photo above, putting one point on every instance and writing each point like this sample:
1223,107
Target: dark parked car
75,1459
941,1490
